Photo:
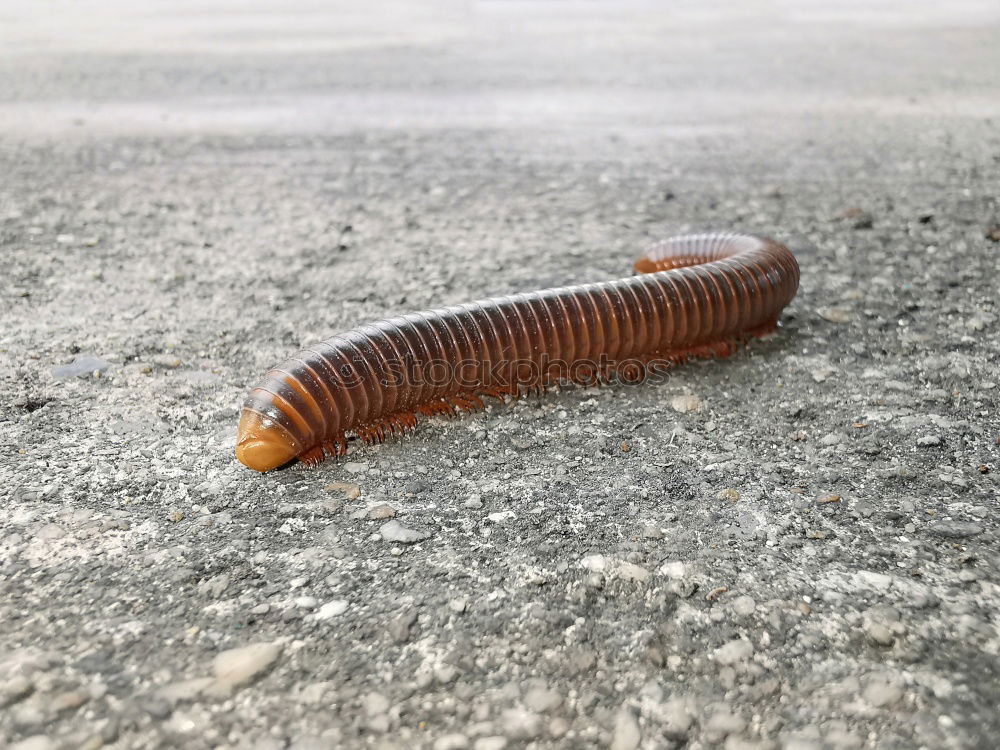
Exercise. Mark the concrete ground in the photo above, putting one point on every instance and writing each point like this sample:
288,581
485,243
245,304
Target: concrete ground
798,549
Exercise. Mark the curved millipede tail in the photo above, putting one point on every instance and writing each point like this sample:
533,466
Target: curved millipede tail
695,296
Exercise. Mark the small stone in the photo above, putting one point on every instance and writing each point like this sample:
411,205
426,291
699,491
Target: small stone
316,693
474,502
381,512
237,667
743,606
821,375
955,529
379,724
333,608
677,718
686,403
494,742
558,727
375,703
880,634
858,217
541,699
451,742
343,490
871,579
594,580
632,572
394,531
825,499
800,741
15,689
595,563
50,531
446,674
458,606
978,322
881,694
627,735
673,569
36,742
652,532
521,724
215,586
734,652
355,467
328,507
928,440
838,737
399,626
415,487
170,361
722,723
83,365
69,701
728,495
835,314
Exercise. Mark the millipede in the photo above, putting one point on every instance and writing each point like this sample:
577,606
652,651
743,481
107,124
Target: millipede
694,296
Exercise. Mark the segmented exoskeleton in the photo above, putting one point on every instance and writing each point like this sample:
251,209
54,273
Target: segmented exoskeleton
695,296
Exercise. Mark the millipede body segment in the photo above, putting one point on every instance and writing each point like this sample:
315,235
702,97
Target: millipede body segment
695,296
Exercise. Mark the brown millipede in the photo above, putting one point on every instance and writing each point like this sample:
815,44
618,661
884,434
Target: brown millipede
695,296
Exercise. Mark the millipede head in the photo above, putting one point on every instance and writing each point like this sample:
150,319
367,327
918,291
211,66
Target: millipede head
261,444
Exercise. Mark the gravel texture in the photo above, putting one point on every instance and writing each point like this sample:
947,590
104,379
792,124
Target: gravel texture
792,548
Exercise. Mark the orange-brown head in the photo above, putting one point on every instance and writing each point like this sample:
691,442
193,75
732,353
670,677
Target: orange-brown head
263,444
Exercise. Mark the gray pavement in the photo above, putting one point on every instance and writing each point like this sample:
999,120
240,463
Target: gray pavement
792,548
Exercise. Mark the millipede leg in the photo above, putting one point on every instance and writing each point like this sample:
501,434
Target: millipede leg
763,330
312,456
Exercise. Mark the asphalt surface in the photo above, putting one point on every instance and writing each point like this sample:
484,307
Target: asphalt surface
795,547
